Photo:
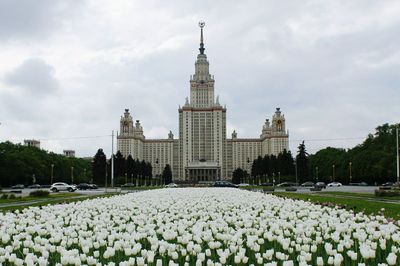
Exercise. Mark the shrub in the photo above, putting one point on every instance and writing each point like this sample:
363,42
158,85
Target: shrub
4,196
387,192
39,193
12,196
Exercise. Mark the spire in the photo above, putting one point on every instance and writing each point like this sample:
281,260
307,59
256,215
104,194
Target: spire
201,25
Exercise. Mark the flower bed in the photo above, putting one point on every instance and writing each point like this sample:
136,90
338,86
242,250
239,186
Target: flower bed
203,226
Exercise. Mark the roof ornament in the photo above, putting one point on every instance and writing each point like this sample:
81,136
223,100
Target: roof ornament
201,25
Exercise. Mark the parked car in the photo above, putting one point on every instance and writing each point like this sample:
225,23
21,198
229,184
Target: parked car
128,185
267,184
18,186
93,186
170,185
62,187
287,184
83,186
320,185
308,184
243,185
388,184
224,184
335,184
34,186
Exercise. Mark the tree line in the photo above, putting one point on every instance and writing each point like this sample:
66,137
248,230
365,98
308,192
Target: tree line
27,165
373,161
126,170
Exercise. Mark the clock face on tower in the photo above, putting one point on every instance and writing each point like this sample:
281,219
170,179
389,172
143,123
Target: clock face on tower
279,122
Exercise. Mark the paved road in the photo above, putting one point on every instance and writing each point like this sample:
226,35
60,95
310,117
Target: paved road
353,189
25,192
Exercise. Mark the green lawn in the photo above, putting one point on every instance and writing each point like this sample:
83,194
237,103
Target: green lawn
55,200
354,194
391,210
19,198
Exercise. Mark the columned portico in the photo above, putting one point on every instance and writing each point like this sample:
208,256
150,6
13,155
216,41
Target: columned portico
203,171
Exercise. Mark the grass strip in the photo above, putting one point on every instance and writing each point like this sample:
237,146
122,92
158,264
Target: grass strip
391,210
355,194
56,201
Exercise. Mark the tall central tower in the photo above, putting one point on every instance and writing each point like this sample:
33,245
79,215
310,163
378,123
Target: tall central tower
202,126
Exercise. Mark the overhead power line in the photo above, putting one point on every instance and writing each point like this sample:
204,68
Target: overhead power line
333,139
70,138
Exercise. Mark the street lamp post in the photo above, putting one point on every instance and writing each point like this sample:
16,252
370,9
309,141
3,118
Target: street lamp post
52,174
273,179
279,177
295,168
72,174
316,170
350,177
333,173
106,177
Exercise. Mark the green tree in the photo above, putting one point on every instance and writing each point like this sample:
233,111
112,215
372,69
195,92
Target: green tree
302,163
99,167
237,175
167,174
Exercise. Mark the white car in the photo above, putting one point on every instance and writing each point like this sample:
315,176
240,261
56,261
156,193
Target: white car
62,187
334,184
243,185
171,185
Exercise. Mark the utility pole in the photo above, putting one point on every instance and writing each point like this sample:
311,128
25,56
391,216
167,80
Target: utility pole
112,159
397,148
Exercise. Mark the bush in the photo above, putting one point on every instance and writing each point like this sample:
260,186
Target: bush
387,192
12,196
4,196
39,193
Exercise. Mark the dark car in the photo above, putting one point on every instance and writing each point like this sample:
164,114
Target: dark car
308,184
320,185
224,184
267,184
83,186
18,186
34,186
93,186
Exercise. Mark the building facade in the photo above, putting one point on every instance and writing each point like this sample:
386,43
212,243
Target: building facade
202,151
69,153
32,143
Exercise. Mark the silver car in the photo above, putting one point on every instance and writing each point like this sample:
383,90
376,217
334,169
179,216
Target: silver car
62,187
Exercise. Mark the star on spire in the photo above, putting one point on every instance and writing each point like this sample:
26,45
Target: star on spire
201,25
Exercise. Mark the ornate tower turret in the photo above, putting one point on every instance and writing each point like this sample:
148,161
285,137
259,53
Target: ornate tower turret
202,83
278,122
126,124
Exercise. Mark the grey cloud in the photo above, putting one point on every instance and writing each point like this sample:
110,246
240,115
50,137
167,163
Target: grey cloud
24,19
35,76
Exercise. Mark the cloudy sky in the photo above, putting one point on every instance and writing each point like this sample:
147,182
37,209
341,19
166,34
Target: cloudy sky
68,69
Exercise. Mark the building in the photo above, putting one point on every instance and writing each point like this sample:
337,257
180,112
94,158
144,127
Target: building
202,151
32,143
69,153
